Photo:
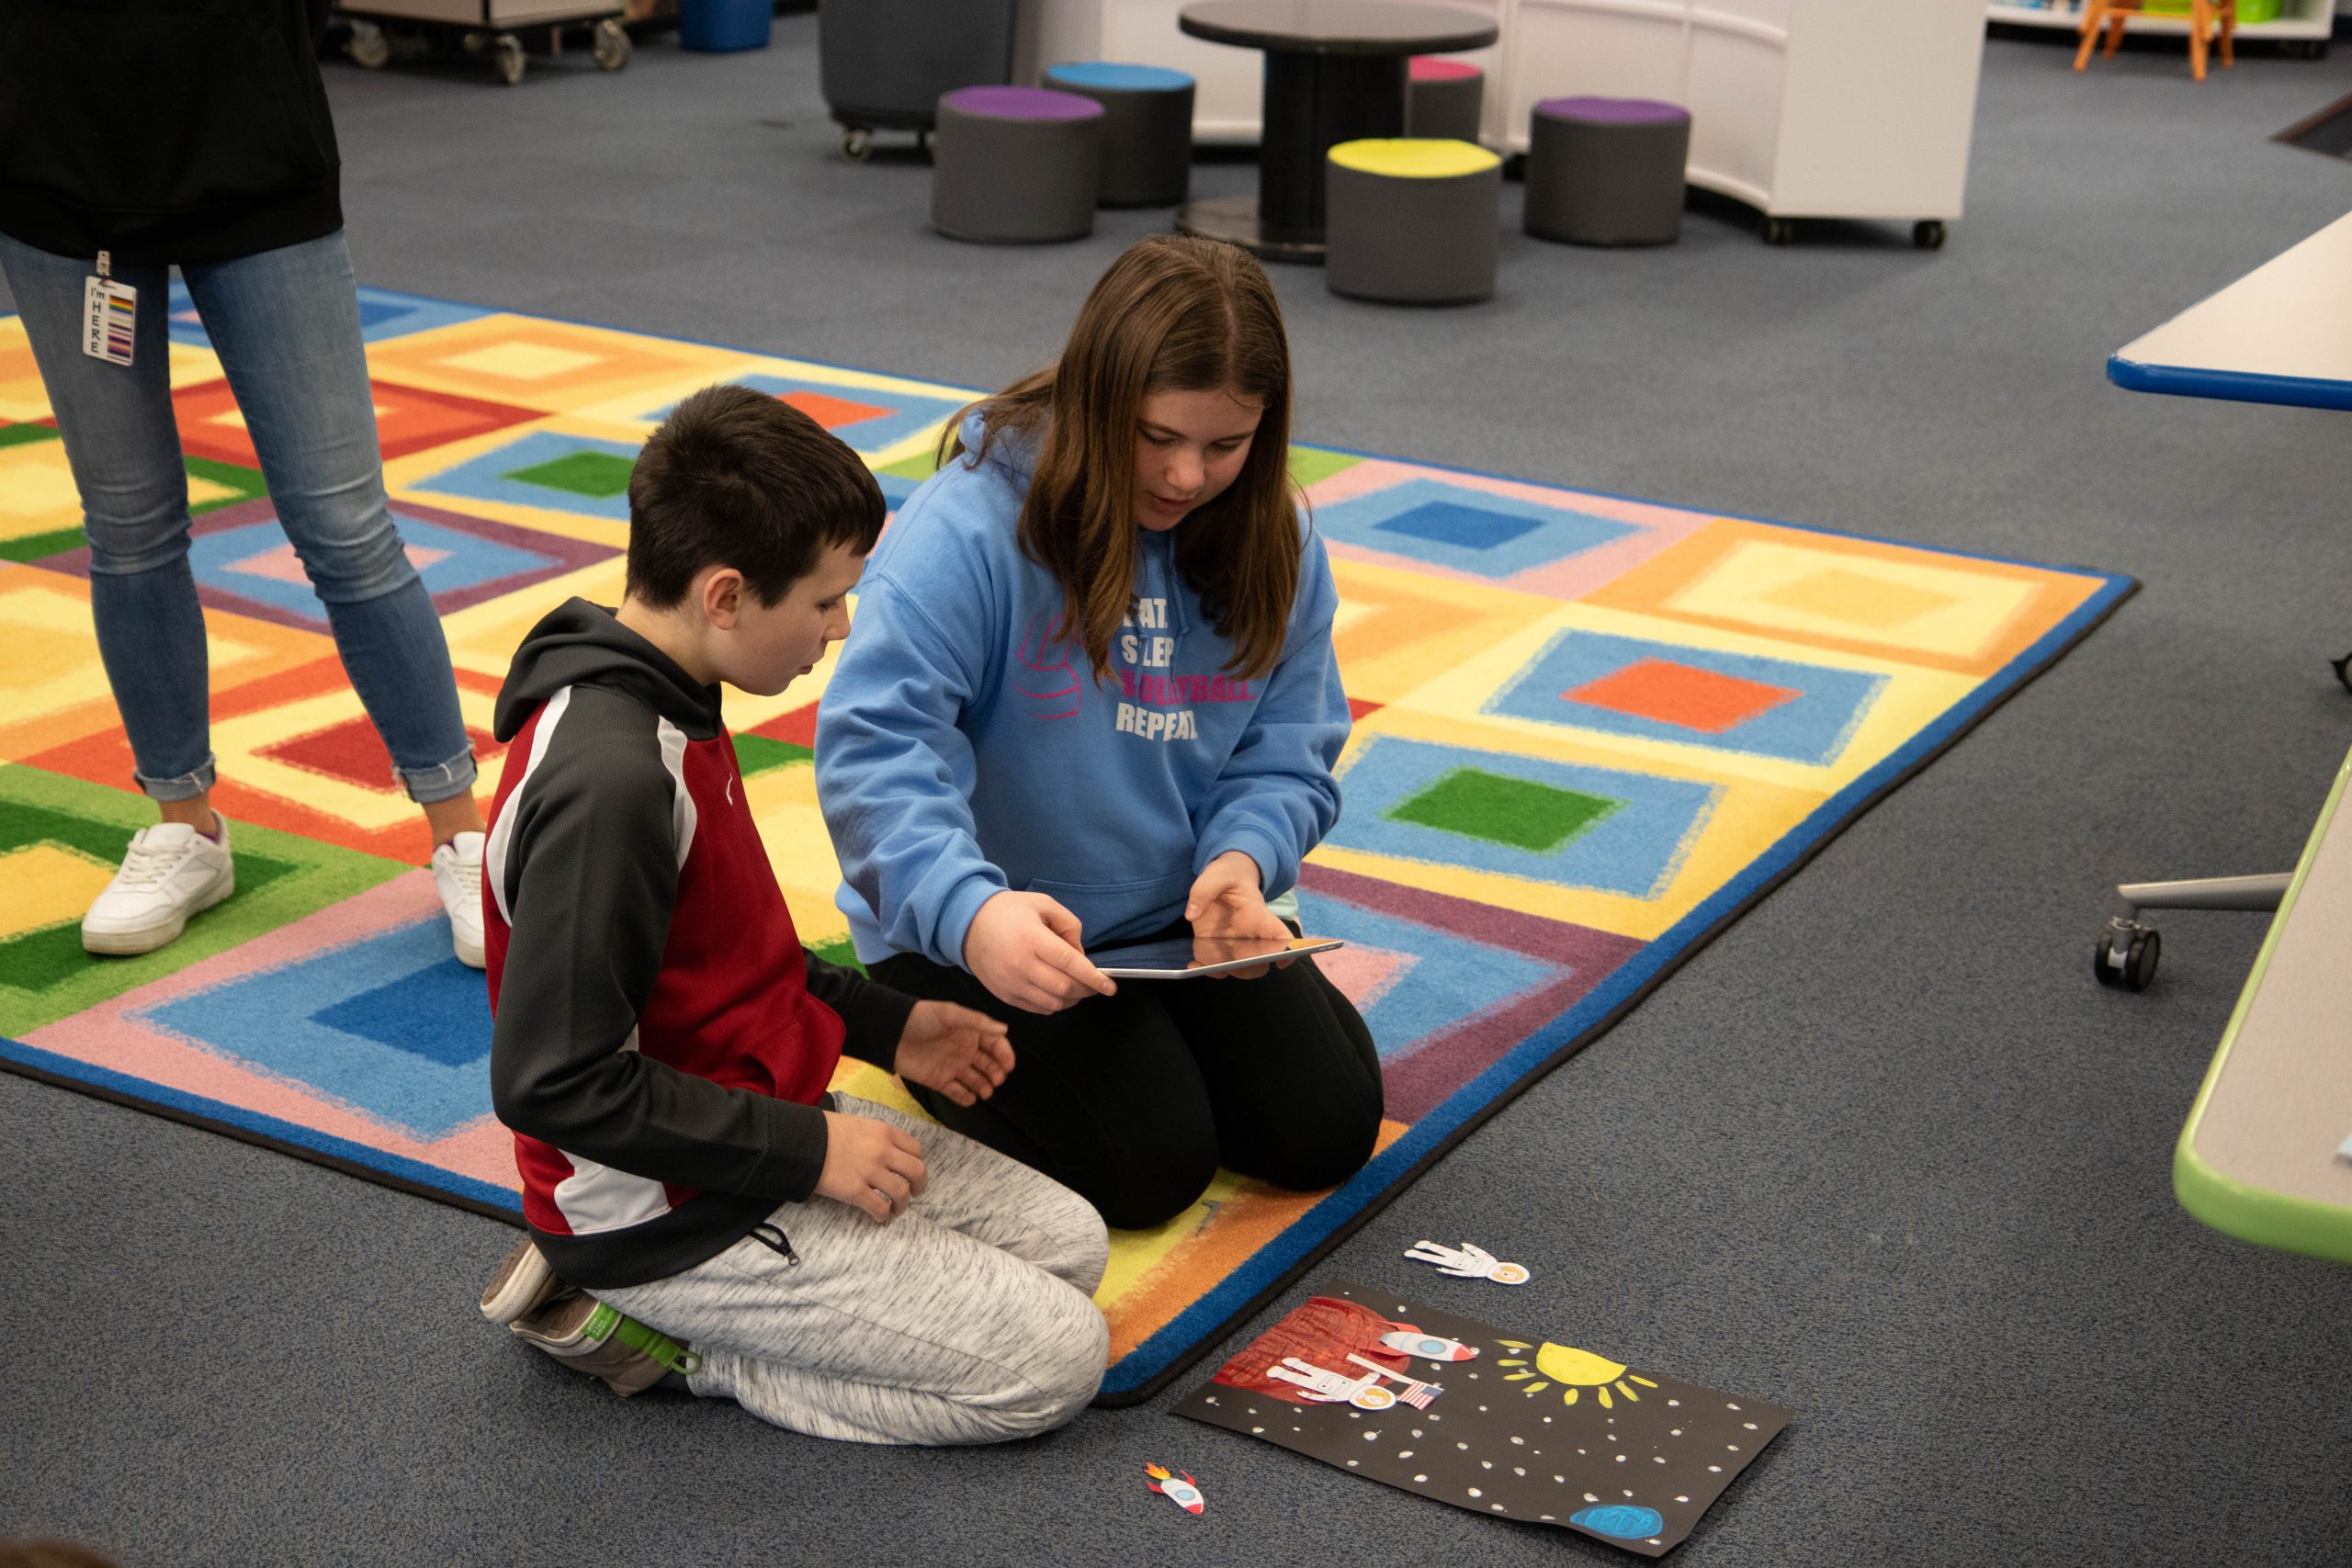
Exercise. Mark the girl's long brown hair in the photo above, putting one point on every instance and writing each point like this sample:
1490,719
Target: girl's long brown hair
1179,314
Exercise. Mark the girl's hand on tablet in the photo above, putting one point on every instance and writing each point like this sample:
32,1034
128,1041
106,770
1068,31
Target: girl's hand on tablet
962,1054
1024,948
1226,901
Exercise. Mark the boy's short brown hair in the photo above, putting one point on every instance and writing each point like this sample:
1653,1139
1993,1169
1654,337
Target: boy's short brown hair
736,478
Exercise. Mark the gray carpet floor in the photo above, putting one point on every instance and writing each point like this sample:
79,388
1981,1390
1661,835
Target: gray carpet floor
1883,1152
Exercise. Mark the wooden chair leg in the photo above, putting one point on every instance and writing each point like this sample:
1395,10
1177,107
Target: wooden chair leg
2229,33
2200,26
2115,33
2094,11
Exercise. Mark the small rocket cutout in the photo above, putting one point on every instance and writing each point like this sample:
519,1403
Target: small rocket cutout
1184,1494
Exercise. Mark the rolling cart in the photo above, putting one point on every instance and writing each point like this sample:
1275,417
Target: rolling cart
884,63
486,25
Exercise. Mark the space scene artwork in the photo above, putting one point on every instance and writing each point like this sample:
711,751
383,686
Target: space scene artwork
1507,1424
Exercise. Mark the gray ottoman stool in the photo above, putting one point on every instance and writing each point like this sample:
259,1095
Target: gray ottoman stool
1411,220
1607,171
1015,165
1443,98
1147,129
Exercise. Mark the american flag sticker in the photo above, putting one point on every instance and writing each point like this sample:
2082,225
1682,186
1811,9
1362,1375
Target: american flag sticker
109,315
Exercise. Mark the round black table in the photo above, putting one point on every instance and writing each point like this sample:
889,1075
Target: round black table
1335,71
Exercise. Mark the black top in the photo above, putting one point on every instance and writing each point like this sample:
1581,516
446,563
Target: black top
1338,27
164,130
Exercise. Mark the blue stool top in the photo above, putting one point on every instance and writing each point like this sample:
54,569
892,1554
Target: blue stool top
1116,78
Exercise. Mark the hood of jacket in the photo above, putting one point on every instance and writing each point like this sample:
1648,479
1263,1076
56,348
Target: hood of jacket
580,644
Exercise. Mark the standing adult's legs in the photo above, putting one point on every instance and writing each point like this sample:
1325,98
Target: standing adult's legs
286,325
124,449
125,453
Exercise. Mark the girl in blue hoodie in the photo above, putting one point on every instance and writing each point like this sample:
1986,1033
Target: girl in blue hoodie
1094,700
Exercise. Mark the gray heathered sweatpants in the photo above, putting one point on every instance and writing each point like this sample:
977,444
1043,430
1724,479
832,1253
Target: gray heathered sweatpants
968,1319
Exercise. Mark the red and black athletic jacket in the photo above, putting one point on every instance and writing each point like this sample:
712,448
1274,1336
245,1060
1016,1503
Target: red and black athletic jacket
663,1042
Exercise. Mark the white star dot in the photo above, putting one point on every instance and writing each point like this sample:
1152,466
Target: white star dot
1519,1470
1749,1424
1658,1458
1591,1497
1732,1446
1731,1406
1486,1464
1475,1492
1498,1508
1673,1401
1679,1499
1676,1433
1416,1431
1461,1445
1352,1464
1521,1441
1716,1469
1420,1478
1370,1436
1404,1453
1621,1458
1257,1428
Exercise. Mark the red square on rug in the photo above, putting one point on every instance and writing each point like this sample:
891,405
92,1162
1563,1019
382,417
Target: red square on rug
1681,694
353,752
832,412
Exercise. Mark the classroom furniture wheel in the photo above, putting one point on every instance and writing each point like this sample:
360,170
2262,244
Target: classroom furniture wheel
1779,230
369,48
510,58
857,146
610,47
2127,955
473,42
2343,667
1928,235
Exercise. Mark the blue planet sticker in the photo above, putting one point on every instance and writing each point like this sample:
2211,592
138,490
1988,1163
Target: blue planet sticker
1623,1520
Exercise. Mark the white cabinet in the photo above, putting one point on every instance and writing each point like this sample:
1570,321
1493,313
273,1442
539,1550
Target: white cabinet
1804,109
1227,82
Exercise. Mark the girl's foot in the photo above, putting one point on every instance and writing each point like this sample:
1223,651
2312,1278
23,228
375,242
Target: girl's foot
457,877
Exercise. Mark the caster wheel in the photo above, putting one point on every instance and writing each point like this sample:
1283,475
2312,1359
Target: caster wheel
2343,667
857,145
1928,235
1779,231
2126,959
611,48
369,48
510,59
473,44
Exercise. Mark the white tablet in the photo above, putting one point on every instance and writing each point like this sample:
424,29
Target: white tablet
1190,957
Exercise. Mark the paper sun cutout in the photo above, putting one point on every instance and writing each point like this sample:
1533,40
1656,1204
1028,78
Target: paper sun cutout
1468,1262
1184,1494
1580,1370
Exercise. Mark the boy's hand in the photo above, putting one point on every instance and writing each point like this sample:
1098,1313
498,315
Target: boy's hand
1226,901
962,1054
1024,948
872,1165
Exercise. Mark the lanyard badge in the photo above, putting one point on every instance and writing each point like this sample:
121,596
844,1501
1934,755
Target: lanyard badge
109,315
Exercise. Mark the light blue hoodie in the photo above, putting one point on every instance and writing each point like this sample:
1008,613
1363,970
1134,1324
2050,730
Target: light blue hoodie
960,752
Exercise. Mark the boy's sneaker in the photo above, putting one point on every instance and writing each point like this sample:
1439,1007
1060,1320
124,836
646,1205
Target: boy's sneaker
524,1280
584,1333
578,1329
457,877
172,872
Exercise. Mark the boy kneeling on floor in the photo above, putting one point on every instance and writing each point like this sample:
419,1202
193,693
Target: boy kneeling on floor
663,1042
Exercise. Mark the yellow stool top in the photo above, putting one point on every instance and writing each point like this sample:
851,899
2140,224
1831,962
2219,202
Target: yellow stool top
1414,158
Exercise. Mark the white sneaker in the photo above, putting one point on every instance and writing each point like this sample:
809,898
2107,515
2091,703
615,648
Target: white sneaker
171,873
457,877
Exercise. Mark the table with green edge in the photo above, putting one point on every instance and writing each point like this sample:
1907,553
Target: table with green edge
2260,1157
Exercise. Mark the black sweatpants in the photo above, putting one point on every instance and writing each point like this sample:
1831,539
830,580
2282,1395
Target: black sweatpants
1133,1100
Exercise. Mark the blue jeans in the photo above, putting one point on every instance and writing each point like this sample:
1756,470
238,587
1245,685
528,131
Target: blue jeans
286,325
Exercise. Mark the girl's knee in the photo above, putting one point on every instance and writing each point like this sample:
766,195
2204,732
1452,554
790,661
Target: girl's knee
1323,1152
1150,1183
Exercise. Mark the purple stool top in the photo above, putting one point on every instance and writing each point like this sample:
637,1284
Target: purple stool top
1021,103
1612,111
1430,68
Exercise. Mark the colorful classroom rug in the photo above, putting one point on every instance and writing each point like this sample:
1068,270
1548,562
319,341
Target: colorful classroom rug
1589,732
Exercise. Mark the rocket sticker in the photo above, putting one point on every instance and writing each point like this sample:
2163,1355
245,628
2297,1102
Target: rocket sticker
1184,1494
